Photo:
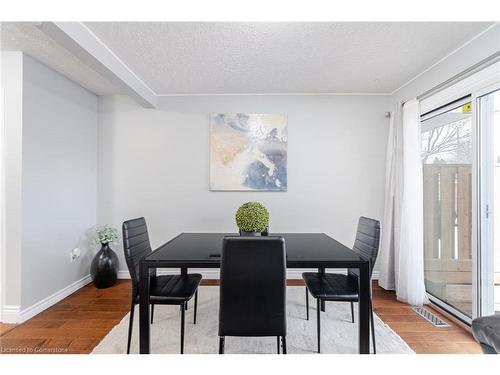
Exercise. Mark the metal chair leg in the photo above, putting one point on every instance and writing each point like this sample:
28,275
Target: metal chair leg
130,326
283,342
352,311
221,345
152,312
278,342
307,304
318,301
195,305
183,313
373,328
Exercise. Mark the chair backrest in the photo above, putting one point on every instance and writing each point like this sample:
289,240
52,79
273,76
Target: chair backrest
136,246
367,242
253,287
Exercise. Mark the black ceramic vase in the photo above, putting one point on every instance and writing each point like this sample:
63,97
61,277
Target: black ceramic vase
249,234
104,267
265,232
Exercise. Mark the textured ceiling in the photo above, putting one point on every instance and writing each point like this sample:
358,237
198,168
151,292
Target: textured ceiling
24,36
220,58
183,58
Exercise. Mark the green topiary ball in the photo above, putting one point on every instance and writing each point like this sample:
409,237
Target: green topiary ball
252,217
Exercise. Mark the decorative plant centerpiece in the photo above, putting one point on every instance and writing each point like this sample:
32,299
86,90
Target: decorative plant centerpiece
252,219
104,267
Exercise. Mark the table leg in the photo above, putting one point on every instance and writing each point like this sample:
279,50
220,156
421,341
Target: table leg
322,303
364,308
144,326
184,272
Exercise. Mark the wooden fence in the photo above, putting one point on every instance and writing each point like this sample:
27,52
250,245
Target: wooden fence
447,231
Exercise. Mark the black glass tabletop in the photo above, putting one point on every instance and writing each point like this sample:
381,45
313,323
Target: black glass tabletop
303,250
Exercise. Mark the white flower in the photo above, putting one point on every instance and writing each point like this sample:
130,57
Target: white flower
105,234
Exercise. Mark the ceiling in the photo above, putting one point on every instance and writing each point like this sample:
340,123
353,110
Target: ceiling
182,58
246,58
26,37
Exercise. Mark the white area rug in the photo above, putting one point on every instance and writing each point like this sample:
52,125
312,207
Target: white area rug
338,334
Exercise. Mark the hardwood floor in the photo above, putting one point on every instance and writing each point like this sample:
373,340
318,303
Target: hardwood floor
74,325
421,336
4,328
79,322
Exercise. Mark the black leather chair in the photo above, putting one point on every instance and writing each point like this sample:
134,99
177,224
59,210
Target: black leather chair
337,287
253,289
165,289
486,331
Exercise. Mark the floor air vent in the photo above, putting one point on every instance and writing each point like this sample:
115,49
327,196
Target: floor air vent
430,317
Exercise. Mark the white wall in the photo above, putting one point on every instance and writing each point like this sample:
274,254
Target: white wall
59,180
154,163
12,72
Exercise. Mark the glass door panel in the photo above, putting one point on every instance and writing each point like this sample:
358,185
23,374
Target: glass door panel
489,118
447,154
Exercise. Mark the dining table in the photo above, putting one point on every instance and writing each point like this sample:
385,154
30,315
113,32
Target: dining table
303,250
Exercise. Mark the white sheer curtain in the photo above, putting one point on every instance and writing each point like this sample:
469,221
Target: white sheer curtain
401,251
387,279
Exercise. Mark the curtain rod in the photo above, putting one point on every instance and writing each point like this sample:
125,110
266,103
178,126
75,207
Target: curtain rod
490,60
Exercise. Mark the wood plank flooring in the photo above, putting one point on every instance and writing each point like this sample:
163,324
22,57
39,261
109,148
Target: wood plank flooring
421,336
79,322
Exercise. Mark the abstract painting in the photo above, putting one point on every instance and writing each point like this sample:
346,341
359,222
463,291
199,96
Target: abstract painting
248,152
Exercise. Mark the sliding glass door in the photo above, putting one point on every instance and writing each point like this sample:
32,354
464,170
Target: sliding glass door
461,186
489,260
447,158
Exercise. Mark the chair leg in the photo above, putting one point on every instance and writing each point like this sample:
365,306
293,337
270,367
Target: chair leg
373,328
221,345
278,342
318,301
152,312
307,304
183,313
283,341
130,326
352,311
195,305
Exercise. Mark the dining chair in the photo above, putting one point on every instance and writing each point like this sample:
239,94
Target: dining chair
344,288
164,289
486,331
253,289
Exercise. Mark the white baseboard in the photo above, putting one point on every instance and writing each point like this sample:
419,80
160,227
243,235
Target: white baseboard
14,314
10,313
213,273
